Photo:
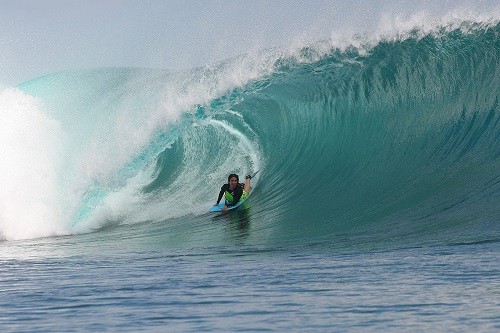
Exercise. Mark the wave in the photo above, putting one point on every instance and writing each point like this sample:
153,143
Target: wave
395,140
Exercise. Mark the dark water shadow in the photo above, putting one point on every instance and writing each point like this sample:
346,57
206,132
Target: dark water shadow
237,224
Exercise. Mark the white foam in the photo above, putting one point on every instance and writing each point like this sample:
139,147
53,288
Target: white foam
188,193
31,145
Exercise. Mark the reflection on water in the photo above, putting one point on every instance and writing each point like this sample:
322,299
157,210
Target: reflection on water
237,223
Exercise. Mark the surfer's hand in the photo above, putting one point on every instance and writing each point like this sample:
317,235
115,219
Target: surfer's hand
224,208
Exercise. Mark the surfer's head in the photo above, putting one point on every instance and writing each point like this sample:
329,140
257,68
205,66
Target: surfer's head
233,180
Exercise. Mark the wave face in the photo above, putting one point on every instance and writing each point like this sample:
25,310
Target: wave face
395,142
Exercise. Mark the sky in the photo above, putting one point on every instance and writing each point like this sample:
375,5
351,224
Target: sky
43,36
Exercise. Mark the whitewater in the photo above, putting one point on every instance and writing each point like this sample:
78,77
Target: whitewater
376,207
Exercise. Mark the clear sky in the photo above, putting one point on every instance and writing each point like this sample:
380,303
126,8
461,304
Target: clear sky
43,36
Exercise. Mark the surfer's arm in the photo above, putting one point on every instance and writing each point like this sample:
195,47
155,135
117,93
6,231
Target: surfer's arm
221,193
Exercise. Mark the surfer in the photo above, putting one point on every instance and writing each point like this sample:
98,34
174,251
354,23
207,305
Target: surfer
234,190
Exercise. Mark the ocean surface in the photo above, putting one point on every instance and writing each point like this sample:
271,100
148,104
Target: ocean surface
376,208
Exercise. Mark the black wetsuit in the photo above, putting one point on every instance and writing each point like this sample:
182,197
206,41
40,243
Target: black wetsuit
236,193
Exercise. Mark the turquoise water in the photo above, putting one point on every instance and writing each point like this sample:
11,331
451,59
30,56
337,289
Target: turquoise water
376,207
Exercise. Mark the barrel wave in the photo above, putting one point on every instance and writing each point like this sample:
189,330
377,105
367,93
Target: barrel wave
397,142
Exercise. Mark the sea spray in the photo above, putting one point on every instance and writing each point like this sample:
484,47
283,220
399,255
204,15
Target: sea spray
32,150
